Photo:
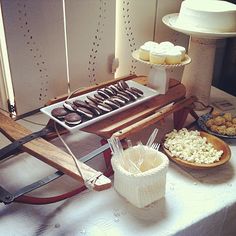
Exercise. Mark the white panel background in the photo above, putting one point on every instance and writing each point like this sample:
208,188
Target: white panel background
164,33
35,39
91,40
135,25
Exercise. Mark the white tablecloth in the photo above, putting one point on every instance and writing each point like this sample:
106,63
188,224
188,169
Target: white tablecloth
197,202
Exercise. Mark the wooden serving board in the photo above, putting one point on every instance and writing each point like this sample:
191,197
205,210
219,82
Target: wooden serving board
50,154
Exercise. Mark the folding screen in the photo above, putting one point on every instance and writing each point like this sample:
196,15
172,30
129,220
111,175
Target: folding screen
36,46
96,32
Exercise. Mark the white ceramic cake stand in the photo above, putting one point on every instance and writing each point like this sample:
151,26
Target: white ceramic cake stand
197,77
158,78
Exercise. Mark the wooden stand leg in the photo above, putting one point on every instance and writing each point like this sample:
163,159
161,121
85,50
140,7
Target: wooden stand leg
180,118
106,154
52,135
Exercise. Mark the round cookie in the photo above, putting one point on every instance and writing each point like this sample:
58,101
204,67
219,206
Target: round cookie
110,91
93,108
123,85
69,106
104,107
132,94
99,97
80,103
92,99
124,95
85,112
112,103
73,118
118,99
137,91
59,112
103,93
114,87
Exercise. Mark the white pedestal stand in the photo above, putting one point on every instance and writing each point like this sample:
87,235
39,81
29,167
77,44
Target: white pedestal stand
158,77
197,77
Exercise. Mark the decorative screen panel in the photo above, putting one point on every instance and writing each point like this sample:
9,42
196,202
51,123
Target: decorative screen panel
164,33
135,25
91,40
36,46
34,35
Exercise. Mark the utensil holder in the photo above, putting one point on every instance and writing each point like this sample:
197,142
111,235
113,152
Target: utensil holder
143,188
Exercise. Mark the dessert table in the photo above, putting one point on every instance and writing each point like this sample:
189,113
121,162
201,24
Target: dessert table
197,202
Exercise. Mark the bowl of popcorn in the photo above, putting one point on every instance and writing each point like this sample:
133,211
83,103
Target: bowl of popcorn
195,149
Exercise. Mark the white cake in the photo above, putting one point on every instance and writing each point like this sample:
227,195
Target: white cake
207,15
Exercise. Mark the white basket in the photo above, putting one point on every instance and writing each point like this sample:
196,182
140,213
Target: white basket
143,188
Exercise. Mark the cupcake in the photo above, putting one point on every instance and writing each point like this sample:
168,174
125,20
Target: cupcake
182,50
144,52
166,45
173,56
157,56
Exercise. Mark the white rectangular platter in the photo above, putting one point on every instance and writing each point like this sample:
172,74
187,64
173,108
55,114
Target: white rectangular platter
148,93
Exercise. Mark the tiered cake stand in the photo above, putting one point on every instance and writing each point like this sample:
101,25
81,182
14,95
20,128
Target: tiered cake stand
158,77
197,77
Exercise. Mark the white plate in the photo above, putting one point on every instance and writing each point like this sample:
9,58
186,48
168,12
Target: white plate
170,21
147,94
184,62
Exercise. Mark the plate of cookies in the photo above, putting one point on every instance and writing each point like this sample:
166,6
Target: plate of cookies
219,124
78,112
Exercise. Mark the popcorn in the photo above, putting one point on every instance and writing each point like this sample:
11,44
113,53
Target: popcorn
190,146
